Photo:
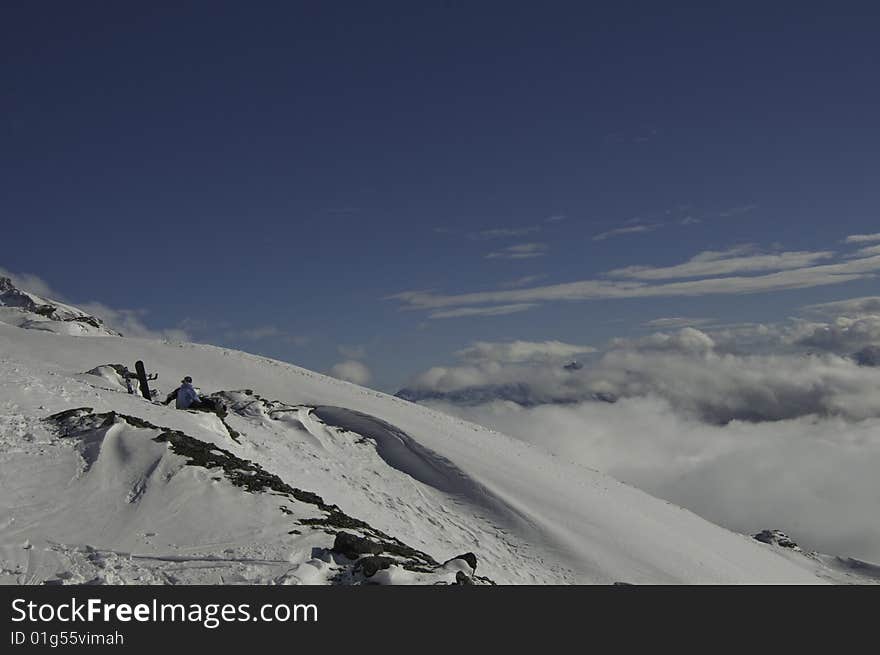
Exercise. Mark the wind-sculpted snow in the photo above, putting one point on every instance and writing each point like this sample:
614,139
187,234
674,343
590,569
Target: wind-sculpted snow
405,454
123,454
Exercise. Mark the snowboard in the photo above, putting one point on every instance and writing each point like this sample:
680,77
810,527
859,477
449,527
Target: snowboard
142,378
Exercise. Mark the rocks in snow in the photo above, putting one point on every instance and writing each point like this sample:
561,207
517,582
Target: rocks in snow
44,311
353,546
469,558
776,538
360,553
367,557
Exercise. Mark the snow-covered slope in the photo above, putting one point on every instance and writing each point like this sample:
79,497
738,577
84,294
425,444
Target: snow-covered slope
29,311
309,479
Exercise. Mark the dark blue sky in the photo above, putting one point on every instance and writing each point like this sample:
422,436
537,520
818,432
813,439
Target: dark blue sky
267,174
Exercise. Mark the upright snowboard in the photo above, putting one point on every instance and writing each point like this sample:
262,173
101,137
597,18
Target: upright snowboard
142,378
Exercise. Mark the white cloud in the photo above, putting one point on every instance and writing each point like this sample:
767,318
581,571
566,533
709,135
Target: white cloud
518,352
749,441
796,278
713,262
676,322
752,372
634,229
841,335
351,371
816,479
130,322
866,252
687,340
862,238
849,307
752,426
520,251
497,310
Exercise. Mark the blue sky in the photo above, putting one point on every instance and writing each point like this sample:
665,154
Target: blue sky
269,175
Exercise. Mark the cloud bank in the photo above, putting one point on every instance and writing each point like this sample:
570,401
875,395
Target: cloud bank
816,479
518,352
751,426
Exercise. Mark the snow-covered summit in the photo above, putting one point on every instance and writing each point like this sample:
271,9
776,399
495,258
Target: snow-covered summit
30,311
301,478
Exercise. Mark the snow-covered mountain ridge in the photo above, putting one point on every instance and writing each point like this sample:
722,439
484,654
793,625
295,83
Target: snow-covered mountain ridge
306,479
29,311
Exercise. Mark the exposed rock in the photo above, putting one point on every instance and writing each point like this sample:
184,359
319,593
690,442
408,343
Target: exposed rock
353,546
776,538
373,564
462,578
11,296
470,558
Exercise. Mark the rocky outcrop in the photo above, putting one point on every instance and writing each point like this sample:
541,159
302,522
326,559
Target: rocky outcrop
11,296
776,538
369,556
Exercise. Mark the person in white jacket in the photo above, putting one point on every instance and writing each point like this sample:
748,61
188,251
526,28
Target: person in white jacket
187,398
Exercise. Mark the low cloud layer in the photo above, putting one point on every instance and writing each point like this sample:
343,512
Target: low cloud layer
752,426
816,479
697,376
519,352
